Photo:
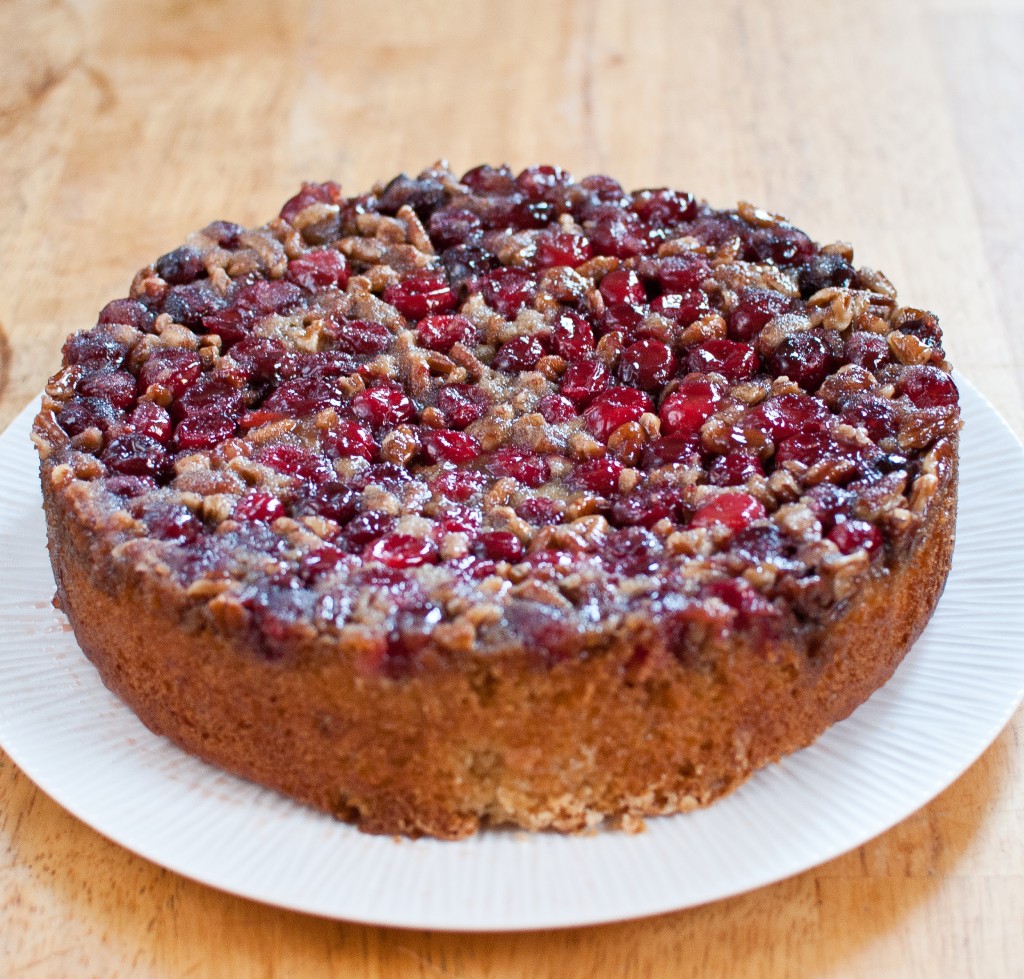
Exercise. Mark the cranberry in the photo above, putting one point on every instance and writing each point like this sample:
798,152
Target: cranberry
459,485
806,447
94,351
867,350
181,266
572,337
321,561
683,308
78,414
362,338
544,183
879,417
539,510
203,431
601,187
852,535
382,406
130,486
802,357
448,446
583,381
443,332
735,361
331,500
624,319
556,248
117,387
500,545
258,506
150,419
136,455
928,387
786,415
423,194
453,226
509,290
647,364
520,354
631,551
780,244
298,397
823,272
556,409
669,450
645,510
174,523
402,551
616,406
367,527
325,193
622,286
188,304
681,273
210,395
489,180
319,268
172,368
528,467
348,440
689,406
600,476
466,266
829,503
461,404
420,295
664,207
753,311
620,234
127,312
294,461
732,510
224,233
735,468
264,297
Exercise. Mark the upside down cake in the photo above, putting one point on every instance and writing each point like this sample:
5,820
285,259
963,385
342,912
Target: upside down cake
500,499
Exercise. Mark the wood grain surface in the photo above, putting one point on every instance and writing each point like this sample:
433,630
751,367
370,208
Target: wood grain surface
897,126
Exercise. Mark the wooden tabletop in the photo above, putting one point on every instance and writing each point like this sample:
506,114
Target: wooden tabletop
125,125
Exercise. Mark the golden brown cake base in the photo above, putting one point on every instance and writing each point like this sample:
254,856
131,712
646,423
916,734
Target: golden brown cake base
495,740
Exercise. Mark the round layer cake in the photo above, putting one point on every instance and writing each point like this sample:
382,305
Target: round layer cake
500,499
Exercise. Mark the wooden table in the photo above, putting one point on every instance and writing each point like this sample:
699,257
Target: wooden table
897,126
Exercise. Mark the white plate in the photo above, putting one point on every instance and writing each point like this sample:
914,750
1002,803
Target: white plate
949,699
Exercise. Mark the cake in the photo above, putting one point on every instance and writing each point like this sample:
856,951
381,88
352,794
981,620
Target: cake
501,499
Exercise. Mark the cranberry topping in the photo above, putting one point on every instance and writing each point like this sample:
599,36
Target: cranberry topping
528,467
616,406
584,381
928,387
443,332
420,295
732,510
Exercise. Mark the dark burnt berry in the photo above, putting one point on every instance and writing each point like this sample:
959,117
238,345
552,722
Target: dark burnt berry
823,272
117,387
188,304
454,226
95,351
367,527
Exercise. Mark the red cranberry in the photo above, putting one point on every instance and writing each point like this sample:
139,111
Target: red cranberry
624,319
689,406
852,535
622,286
631,551
735,361
181,266
263,359
539,510
645,510
786,415
117,387
136,455
94,351
669,450
130,486
203,431
556,409
188,304
210,395
620,234
259,507
459,485
879,417
402,551
681,273
443,332
509,290
556,248
420,295
150,419
319,268
806,447
600,476
753,311
453,226
616,406
461,404
500,545
664,207
331,500
367,527
647,364
601,187
78,414
325,193
683,308
174,523
489,180
528,467
448,446
321,561
544,183
520,354
572,337
867,350
735,468
294,461
127,312
829,503
802,357
224,233
173,368
733,510
348,440
583,381
928,387
382,406
299,397
362,338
